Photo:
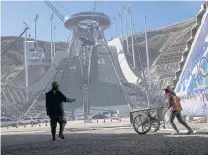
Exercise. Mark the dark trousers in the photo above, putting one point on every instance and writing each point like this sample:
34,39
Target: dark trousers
177,114
57,119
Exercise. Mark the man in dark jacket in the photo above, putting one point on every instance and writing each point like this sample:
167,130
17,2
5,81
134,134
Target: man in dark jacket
55,110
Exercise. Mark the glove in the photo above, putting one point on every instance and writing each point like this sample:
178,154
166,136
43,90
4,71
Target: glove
171,109
71,100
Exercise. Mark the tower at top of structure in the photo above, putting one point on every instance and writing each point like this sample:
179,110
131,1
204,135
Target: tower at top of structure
87,27
84,19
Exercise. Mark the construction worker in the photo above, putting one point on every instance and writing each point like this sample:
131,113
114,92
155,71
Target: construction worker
55,110
175,109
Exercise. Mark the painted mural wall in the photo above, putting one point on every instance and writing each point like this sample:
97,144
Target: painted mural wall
192,87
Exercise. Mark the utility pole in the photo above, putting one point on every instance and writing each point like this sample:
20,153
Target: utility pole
141,64
132,38
54,28
26,65
116,25
125,18
121,22
36,20
147,52
51,37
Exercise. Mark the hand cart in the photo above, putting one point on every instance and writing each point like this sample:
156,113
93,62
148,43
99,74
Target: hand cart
149,119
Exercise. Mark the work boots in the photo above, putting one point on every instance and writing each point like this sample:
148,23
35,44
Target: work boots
53,131
61,135
190,131
176,132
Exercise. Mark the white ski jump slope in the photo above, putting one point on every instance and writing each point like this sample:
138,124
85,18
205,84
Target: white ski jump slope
129,75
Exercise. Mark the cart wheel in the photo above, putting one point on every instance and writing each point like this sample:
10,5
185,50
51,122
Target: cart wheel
155,124
142,124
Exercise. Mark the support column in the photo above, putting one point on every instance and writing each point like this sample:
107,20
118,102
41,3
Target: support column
121,22
125,18
147,52
51,37
54,43
36,20
85,68
132,39
26,65
116,25
140,60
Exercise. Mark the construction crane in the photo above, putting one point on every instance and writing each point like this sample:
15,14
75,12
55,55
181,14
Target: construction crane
60,16
15,41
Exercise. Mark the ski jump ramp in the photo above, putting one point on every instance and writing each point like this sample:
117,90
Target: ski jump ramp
127,72
59,56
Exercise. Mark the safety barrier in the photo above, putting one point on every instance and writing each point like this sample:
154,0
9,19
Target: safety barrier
108,120
42,125
26,125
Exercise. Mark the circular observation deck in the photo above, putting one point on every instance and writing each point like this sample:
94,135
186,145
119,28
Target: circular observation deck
84,19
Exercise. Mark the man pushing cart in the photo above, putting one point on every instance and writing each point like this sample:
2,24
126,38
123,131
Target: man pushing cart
175,108
149,119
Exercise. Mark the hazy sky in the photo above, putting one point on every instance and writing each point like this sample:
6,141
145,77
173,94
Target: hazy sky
158,14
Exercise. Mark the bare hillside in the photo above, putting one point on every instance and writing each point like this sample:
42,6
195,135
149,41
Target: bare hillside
13,60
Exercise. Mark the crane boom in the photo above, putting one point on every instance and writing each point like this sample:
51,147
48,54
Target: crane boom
15,41
60,16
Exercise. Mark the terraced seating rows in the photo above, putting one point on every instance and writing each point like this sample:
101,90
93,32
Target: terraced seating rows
169,58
